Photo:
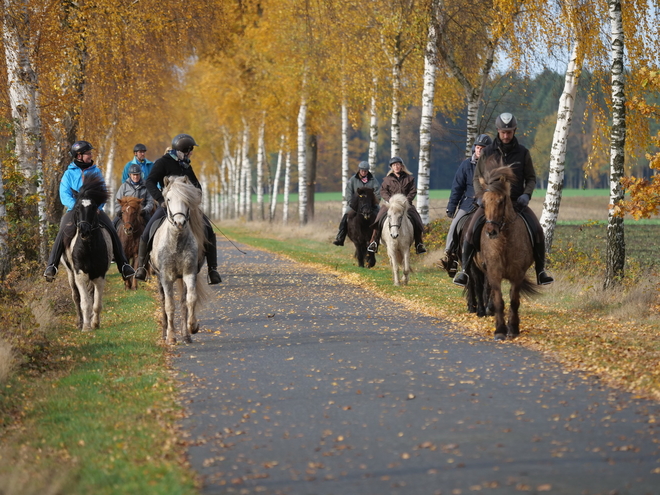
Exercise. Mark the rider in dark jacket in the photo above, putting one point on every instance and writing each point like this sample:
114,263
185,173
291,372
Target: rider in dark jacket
398,181
506,148
362,178
175,162
462,198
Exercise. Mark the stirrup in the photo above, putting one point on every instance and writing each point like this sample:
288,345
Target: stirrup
50,272
127,271
372,247
420,249
461,279
141,273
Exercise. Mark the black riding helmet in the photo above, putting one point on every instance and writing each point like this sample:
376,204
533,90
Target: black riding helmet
483,140
183,143
395,159
80,147
135,169
139,147
506,122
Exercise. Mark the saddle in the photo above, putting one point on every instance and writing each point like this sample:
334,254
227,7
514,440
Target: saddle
154,228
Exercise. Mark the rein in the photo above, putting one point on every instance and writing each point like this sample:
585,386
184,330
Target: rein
170,217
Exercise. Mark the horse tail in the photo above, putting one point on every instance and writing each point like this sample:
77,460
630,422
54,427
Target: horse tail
528,288
204,293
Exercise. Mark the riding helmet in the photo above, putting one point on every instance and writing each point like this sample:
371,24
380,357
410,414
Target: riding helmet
135,169
80,147
506,122
183,143
363,166
139,147
483,140
395,159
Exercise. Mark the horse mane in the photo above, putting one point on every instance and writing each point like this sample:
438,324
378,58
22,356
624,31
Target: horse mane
369,191
499,180
131,201
94,189
398,204
180,187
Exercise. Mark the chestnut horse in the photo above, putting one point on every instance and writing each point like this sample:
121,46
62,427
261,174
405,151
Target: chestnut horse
129,229
506,249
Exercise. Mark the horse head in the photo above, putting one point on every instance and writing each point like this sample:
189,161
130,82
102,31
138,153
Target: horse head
131,209
89,198
182,198
366,202
496,199
396,212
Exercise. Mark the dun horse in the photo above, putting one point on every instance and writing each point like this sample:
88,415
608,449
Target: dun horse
506,250
129,229
178,254
88,253
359,224
398,237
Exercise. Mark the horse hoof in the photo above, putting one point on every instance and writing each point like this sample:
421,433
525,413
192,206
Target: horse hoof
194,329
500,337
187,339
512,335
171,341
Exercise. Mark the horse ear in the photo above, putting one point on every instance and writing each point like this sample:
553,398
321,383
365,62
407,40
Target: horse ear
166,181
482,182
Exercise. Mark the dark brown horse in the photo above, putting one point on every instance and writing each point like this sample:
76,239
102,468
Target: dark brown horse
506,249
364,205
130,228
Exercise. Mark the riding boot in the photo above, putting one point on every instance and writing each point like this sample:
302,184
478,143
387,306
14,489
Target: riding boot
343,229
55,255
123,267
143,251
211,252
419,246
542,278
462,277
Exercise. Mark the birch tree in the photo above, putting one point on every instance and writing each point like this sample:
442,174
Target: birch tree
276,180
302,159
261,158
616,248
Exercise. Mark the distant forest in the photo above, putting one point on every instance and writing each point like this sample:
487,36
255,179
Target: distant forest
533,101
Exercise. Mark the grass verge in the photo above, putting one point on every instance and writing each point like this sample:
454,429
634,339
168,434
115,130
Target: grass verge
99,418
609,334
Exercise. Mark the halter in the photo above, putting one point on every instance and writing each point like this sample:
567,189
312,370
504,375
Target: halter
398,226
170,217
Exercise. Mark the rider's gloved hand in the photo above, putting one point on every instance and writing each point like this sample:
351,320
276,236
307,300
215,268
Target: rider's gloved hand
523,199
451,213
163,205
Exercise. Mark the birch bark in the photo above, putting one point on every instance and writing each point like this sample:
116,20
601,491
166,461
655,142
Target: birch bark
373,127
276,180
558,151
616,247
424,173
261,158
344,154
302,161
287,188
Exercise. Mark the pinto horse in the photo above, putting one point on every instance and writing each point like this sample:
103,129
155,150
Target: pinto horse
88,253
364,205
129,229
506,249
398,236
178,254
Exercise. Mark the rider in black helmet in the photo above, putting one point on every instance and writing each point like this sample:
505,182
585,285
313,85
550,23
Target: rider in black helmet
139,158
175,162
82,166
506,148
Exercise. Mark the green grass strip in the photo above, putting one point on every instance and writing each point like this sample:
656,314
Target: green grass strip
106,419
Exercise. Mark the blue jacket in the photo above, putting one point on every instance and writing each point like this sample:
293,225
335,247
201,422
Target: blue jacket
462,189
146,168
73,179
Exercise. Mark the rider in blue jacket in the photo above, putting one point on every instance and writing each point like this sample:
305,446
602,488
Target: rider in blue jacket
139,158
82,166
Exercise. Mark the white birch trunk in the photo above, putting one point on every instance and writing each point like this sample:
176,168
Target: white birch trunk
344,154
558,151
302,161
276,180
287,188
424,173
261,158
396,112
235,181
373,128
616,248
108,176
4,233
246,175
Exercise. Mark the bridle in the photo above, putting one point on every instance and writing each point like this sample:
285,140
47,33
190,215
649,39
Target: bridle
172,216
500,225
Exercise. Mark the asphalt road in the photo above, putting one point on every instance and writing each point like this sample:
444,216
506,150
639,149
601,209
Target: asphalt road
299,383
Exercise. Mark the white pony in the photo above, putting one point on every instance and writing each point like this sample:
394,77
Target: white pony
178,254
398,236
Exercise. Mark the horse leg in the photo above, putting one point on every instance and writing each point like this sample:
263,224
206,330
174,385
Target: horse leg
99,284
188,302
86,303
514,305
359,255
75,295
395,266
406,266
498,303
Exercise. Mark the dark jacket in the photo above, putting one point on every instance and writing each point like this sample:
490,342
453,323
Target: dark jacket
404,184
462,189
165,166
514,155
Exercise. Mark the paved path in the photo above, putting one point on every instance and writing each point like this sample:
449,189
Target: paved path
302,384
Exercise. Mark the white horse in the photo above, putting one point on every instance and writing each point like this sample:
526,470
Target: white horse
398,236
178,254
